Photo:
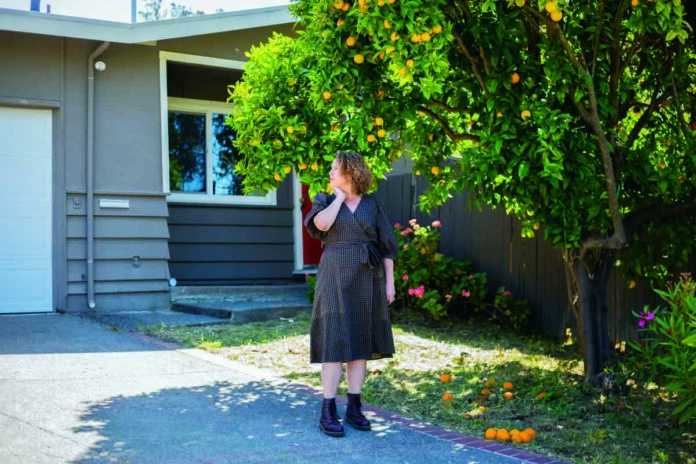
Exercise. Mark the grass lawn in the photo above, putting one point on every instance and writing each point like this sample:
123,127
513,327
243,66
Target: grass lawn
572,420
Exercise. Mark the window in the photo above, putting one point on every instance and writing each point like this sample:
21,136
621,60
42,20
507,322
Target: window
202,157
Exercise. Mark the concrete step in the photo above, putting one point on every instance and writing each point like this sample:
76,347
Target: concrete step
243,303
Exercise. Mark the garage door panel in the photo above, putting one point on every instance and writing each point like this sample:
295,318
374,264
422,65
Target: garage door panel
26,267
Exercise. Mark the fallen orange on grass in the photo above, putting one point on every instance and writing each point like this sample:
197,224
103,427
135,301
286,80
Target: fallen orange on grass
444,378
508,386
447,397
485,392
490,383
541,396
502,435
490,434
508,395
530,431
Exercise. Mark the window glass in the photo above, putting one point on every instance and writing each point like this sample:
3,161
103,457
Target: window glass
187,152
225,181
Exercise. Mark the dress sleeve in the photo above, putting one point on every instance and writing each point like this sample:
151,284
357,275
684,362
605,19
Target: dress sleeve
321,201
385,232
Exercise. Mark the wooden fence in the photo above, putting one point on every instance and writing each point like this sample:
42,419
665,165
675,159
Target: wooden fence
529,268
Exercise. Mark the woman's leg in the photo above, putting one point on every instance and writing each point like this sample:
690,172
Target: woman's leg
355,372
330,378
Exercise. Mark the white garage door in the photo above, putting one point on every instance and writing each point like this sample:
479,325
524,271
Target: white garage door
25,211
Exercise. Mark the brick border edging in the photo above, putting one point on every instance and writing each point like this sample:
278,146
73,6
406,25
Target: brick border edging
420,427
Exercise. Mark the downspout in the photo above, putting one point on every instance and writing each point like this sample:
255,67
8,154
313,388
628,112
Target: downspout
90,172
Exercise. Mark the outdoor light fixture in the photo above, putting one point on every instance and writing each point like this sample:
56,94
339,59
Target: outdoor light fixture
99,65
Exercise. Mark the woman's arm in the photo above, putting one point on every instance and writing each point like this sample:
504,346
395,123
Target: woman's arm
325,218
389,273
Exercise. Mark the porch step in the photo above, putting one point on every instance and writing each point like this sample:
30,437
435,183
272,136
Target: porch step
242,303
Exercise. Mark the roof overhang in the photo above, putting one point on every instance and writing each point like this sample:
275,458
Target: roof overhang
141,33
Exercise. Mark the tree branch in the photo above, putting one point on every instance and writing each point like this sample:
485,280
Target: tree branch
618,239
482,52
448,130
443,106
474,64
636,219
595,46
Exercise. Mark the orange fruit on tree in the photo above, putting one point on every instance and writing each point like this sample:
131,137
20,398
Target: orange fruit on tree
277,177
634,3
380,2
520,3
340,23
314,166
326,95
403,71
359,58
303,166
394,37
409,63
550,7
437,29
415,38
386,24
525,114
444,378
447,397
379,93
381,133
287,169
379,121
435,170
391,1
515,78
290,129
371,138
502,435
425,37
508,395
556,16
508,386
350,41
338,4
346,7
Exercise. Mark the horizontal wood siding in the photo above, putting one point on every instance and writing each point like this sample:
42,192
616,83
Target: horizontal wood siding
130,253
529,268
230,244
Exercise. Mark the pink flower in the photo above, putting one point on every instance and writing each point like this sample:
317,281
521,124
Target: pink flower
449,297
398,224
649,316
641,323
466,293
406,231
405,277
436,224
405,246
417,292
507,293
412,222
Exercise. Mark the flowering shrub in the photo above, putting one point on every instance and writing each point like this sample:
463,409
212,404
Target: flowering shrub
666,347
440,285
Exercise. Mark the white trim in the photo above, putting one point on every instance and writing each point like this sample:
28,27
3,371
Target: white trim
203,106
297,221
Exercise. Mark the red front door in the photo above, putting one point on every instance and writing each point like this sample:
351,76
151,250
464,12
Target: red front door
311,247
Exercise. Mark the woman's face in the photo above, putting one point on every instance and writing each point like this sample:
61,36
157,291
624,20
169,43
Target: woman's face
338,179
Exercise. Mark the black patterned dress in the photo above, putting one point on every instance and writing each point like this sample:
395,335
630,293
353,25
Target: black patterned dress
350,319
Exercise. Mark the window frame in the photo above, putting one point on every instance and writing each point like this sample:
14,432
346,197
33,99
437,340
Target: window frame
199,107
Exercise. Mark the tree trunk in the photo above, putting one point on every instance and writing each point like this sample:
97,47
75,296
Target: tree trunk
587,288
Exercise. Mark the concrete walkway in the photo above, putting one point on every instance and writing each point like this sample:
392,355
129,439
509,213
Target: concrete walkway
75,391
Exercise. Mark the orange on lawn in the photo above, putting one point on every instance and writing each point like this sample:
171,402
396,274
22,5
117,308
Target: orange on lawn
502,435
508,395
508,386
491,434
447,397
444,378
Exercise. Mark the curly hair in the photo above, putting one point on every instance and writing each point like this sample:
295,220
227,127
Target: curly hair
353,165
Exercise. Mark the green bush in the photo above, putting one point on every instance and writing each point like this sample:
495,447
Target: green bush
666,346
440,286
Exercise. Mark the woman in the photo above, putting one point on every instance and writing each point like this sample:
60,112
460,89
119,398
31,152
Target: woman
350,318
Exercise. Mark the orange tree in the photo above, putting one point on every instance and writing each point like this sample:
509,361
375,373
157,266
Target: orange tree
574,115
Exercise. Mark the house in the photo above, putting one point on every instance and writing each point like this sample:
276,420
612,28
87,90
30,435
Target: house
111,137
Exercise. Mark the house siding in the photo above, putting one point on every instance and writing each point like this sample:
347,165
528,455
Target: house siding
215,245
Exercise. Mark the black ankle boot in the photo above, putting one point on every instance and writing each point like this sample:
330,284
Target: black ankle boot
354,415
330,422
